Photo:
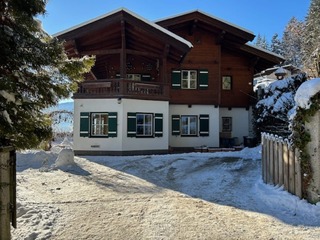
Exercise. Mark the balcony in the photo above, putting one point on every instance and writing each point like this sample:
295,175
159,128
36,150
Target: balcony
118,88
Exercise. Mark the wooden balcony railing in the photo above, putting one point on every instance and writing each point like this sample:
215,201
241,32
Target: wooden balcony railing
115,88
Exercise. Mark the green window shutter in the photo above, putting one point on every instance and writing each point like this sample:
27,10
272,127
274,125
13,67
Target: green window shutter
175,125
112,122
84,124
146,77
203,79
158,129
176,79
132,125
204,125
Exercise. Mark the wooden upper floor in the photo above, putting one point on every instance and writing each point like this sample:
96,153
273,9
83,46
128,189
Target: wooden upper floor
192,58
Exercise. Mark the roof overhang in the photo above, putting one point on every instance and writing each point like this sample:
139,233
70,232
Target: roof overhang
209,22
109,28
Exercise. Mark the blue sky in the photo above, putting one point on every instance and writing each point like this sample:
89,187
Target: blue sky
264,17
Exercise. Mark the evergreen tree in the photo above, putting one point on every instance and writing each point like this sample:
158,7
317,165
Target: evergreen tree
262,42
34,73
276,45
292,42
311,40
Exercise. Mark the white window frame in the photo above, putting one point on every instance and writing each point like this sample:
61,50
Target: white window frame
189,129
189,79
99,125
146,125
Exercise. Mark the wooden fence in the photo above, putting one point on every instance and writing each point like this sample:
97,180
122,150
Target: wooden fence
281,164
7,191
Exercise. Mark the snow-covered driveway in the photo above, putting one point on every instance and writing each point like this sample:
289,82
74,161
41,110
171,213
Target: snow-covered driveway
184,196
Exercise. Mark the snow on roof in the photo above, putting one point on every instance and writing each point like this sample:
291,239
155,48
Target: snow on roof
208,15
134,15
280,70
306,91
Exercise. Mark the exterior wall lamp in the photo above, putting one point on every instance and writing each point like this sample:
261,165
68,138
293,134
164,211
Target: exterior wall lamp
280,73
119,100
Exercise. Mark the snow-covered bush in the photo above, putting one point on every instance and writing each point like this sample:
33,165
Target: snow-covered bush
272,112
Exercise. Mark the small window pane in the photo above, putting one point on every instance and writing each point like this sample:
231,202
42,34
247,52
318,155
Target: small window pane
189,79
140,119
189,125
226,82
184,84
144,124
193,84
99,124
185,75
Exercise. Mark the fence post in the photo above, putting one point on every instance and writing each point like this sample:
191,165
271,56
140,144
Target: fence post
291,171
271,161
285,166
6,185
267,159
280,158
264,158
276,161
298,175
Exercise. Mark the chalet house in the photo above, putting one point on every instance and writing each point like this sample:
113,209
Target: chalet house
178,83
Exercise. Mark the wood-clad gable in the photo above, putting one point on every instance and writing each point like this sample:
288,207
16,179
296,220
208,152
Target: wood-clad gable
120,35
197,19
220,48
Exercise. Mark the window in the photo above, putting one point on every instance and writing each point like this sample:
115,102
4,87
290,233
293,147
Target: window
188,125
99,124
189,79
144,125
136,77
226,83
226,124
103,124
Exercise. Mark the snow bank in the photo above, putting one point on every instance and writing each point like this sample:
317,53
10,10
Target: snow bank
65,158
306,91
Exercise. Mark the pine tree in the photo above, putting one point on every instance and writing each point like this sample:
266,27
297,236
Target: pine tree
262,42
276,45
34,73
311,40
292,42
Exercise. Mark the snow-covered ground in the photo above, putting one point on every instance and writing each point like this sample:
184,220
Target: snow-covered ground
179,196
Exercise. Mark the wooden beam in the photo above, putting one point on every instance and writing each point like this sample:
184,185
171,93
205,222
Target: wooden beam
221,37
123,53
163,70
101,52
142,53
193,27
92,75
74,46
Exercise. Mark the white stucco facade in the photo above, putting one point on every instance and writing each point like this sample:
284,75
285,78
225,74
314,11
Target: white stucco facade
121,142
182,141
241,122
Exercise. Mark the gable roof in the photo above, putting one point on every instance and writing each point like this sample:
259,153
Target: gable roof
210,23
69,31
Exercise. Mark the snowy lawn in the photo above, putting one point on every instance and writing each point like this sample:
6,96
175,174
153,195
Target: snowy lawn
179,196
